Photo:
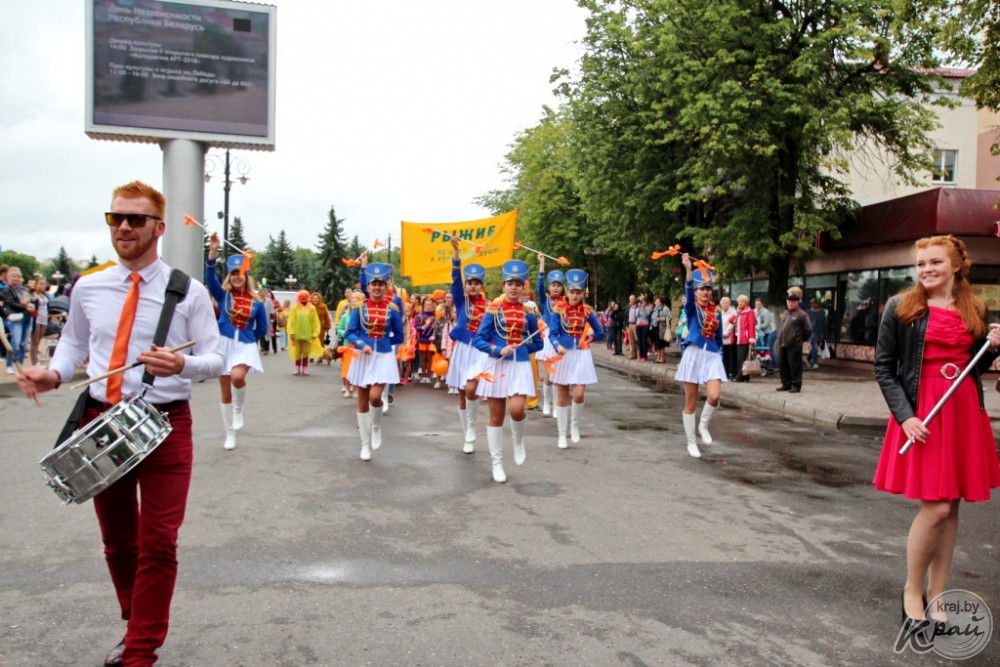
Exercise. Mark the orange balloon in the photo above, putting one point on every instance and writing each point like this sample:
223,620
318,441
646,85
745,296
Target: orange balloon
440,367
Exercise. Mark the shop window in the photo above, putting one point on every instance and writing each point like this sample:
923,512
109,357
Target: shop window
859,294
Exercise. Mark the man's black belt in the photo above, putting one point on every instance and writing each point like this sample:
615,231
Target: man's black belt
101,406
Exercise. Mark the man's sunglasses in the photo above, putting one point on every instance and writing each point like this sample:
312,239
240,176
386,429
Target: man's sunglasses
135,220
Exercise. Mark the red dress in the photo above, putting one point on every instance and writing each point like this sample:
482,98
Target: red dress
959,458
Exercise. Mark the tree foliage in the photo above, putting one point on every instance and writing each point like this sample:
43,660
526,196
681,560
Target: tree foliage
332,275
277,261
63,264
27,263
725,126
236,237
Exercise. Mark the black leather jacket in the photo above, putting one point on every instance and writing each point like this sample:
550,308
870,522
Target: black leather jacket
899,354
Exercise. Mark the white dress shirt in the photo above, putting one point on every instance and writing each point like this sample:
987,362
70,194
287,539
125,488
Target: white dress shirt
95,309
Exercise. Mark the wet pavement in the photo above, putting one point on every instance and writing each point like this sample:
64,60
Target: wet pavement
772,549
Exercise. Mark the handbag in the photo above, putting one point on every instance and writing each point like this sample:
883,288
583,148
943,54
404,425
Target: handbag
824,350
751,366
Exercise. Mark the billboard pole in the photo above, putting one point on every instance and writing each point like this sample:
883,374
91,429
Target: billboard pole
184,188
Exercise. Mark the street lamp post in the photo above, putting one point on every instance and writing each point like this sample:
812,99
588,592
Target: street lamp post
290,282
242,167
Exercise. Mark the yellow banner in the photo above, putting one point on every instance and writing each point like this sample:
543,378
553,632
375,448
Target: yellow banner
426,247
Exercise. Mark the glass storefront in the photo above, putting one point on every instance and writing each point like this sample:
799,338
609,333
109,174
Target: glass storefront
854,300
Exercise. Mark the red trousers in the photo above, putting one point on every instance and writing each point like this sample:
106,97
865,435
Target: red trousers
140,516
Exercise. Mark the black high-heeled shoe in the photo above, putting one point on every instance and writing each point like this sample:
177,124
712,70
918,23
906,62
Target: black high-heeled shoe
912,626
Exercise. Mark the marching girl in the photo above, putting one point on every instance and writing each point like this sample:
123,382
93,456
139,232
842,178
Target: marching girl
470,304
576,368
354,302
509,334
242,320
397,297
701,361
372,330
548,301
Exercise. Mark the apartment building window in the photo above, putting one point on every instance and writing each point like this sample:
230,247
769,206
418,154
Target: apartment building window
944,166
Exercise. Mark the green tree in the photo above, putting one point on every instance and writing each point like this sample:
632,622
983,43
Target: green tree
92,262
29,265
63,264
277,261
332,275
236,238
723,124
305,263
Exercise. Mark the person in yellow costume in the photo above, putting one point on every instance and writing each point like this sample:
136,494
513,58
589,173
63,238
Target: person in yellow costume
303,333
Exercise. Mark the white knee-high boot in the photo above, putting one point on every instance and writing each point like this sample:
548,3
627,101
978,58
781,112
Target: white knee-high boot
471,410
517,430
691,437
562,420
546,399
463,419
365,429
494,438
227,421
239,396
706,419
574,421
376,414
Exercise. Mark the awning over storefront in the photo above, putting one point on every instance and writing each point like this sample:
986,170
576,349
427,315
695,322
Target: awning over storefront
962,212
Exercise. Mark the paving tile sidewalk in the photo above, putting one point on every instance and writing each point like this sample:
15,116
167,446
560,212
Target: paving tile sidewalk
841,395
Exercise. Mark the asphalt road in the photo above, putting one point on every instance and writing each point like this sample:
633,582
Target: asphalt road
772,549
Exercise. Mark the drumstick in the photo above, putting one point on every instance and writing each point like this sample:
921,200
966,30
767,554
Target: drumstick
127,368
13,357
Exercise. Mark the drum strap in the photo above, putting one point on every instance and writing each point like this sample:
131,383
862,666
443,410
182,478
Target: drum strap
177,289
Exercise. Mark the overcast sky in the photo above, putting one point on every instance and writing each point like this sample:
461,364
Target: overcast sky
388,110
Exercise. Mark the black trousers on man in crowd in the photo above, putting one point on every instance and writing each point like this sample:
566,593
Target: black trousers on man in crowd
790,367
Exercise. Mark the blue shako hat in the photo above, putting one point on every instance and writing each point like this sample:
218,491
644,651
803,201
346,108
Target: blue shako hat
379,272
702,277
474,272
515,269
235,263
555,277
576,279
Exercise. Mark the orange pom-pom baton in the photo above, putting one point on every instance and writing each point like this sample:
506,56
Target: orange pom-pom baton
188,220
558,260
669,251
550,364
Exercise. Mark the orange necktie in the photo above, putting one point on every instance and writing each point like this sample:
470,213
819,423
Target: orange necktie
120,350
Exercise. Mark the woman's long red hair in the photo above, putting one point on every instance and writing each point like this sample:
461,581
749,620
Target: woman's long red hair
913,304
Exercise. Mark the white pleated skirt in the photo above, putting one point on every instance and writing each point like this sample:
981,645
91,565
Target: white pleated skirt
463,358
510,378
240,354
547,351
576,367
698,366
376,368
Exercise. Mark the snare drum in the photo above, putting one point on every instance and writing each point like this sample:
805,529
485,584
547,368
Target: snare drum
103,451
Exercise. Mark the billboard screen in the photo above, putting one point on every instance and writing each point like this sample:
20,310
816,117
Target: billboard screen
192,69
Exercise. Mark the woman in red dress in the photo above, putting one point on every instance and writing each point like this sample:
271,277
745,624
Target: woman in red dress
928,334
